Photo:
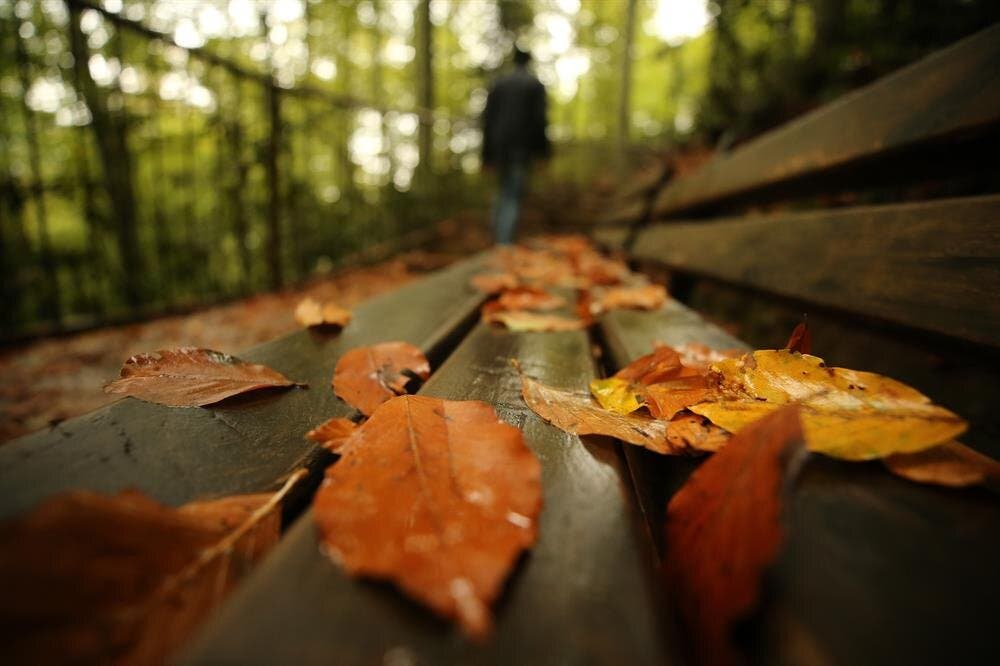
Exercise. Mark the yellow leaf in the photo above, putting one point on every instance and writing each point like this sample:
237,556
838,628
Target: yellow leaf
845,413
615,394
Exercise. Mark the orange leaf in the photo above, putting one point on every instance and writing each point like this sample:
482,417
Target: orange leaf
529,298
665,399
91,578
800,340
492,283
662,364
311,312
366,377
191,377
332,434
724,529
643,297
527,322
700,357
437,496
578,414
949,464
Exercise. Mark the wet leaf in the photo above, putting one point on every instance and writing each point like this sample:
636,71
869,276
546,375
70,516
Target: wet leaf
529,298
365,377
494,283
440,497
800,340
615,394
724,528
949,464
522,321
192,377
641,297
578,414
332,434
846,413
661,365
91,578
311,312
665,399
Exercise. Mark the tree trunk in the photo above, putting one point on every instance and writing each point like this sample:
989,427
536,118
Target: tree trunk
425,86
625,95
111,132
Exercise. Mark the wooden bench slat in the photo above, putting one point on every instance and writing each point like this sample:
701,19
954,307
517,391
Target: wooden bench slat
245,444
930,265
953,91
875,570
582,595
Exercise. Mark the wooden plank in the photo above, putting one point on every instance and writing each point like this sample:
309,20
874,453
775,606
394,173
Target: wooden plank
953,92
875,570
930,265
244,444
583,595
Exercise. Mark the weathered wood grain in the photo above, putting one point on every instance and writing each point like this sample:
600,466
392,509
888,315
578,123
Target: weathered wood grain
582,595
931,265
244,444
952,92
876,569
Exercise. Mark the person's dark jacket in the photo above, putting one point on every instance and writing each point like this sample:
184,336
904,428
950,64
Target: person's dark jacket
514,120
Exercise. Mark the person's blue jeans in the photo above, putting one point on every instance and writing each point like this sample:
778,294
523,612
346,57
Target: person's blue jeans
507,206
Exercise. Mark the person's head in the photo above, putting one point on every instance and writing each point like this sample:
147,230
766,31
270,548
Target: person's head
521,58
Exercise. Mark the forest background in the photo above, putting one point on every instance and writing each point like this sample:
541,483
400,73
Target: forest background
159,154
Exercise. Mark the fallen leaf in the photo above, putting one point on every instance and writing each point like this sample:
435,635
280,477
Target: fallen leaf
700,357
311,312
494,283
529,298
665,399
615,394
661,365
91,578
365,377
522,321
578,414
724,528
333,433
439,497
643,297
192,377
800,340
949,464
846,413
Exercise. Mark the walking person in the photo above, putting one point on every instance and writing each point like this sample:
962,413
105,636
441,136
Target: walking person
514,124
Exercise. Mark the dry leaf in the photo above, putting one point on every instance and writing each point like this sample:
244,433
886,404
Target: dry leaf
949,464
366,377
333,433
700,357
615,394
578,414
661,365
800,340
192,377
522,321
311,312
439,497
643,297
493,283
665,399
90,578
846,413
724,528
529,298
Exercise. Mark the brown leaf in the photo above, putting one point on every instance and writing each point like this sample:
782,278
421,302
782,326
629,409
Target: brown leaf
949,464
366,377
192,377
529,298
523,321
494,283
333,434
800,340
700,357
661,365
724,529
642,297
437,496
311,312
91,578
578,414
665,399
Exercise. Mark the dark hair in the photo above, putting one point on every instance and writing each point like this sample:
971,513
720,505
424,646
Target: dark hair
521,57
